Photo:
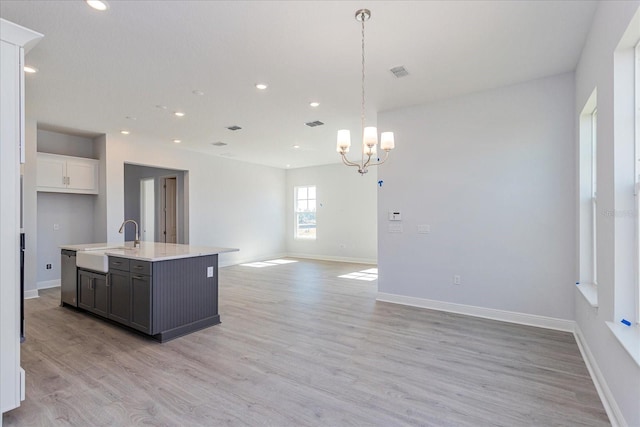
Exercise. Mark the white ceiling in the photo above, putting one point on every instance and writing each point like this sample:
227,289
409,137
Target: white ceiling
95,69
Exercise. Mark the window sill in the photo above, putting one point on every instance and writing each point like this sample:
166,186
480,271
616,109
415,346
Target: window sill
629,338
589,292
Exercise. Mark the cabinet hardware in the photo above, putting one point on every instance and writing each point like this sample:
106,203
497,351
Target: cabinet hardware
138,267
137,277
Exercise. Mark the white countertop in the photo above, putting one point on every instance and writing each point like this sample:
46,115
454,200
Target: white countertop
149,251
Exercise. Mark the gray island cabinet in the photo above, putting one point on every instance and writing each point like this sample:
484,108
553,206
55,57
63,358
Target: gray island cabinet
162,290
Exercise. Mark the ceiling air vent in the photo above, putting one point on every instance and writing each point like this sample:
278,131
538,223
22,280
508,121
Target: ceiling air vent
314,124
399,71
234,127
219,144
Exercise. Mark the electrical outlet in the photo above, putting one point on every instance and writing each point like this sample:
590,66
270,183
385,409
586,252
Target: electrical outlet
456,279
48,266
210,271
56,226
424,229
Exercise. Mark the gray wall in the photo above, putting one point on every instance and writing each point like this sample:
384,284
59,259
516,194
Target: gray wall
492,173
64,144
132,176
71,214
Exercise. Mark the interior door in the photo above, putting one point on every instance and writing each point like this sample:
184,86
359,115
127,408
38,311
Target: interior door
170,222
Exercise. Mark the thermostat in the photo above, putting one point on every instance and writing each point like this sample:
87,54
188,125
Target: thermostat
395,216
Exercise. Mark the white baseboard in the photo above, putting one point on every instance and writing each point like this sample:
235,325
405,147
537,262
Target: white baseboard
46,284
302,256
608,401
31,294
335,258
487,313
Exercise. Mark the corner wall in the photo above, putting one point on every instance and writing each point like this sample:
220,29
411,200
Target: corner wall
231,204
619,373
346,213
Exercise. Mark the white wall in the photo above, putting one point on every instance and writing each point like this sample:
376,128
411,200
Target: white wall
346,213
30,212
492,173
231,203
619,373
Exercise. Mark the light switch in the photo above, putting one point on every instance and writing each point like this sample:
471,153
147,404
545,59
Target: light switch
209,271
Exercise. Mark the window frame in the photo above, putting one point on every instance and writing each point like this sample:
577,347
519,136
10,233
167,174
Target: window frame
637,176
297,212
594,194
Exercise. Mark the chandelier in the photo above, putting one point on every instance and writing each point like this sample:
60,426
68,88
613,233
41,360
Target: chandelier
370,133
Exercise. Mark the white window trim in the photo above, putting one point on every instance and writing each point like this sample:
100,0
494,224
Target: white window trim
295,213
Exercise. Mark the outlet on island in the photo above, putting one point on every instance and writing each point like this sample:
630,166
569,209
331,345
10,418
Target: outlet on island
48,266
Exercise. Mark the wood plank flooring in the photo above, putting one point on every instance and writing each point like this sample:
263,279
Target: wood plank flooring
300,347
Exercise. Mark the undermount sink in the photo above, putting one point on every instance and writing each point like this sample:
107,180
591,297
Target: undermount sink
93,260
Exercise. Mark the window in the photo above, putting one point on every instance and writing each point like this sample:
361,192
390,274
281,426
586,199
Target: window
637,176
588,202
305,212
594,196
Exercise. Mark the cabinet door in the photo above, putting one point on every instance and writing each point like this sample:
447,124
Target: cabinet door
50,172
120,297
101,301
82,175
141,302
85,290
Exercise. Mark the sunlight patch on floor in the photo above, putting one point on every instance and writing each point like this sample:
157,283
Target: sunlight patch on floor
269,263
369,275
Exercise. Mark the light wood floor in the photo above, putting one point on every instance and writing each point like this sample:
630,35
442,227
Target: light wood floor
299,347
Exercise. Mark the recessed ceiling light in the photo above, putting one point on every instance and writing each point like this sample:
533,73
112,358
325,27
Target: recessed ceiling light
314,104
261,86
161,107
177,141
29,69
296,146
178,113
125,132
98,5
130,118
197,92
288,166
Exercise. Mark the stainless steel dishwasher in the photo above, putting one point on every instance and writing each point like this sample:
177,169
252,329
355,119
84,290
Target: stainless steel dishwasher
68,278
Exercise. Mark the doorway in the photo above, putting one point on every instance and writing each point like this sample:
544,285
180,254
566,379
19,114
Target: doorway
158,199
147,209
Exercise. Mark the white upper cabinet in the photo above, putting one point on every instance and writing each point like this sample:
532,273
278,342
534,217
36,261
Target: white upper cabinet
66,174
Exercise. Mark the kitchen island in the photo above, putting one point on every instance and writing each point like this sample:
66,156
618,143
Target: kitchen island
163,290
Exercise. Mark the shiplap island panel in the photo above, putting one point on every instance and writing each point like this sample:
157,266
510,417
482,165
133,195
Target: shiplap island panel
162,290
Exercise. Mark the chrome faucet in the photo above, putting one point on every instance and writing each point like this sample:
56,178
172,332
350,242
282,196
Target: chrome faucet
136,242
